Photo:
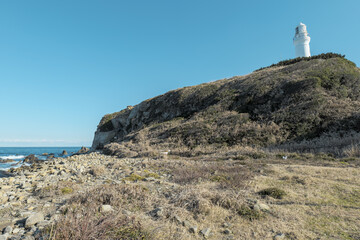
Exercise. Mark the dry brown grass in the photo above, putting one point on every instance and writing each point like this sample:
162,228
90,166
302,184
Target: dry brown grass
97,171
86,224
352,151
82,219
321,201
220,192
56,189
228,175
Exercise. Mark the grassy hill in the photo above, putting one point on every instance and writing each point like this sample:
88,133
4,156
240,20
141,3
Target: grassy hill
304,104
270,155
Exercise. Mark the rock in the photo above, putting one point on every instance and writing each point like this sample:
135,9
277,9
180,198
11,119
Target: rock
6,160
34,219
45,154
83,150
3,198
31,159
205,232
106,208
186,224
4,236
8,230
28,237
227,231
64,152
5,187
226,225
177,219
279,236
157,212
261,207
193,229
43,224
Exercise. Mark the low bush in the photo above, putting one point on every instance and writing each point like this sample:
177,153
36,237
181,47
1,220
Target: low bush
134,178
249,213
85,223
299,59
66,190
273,192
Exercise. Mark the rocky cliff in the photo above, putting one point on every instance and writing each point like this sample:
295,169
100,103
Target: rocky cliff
298,100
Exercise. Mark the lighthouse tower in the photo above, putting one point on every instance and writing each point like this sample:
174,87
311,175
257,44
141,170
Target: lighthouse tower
301,41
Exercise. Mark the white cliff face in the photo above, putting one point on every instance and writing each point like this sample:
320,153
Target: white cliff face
301,41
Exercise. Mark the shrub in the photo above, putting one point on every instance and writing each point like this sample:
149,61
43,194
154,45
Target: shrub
299,59
273,192
352,151
97,171
66,190
153,175
134,177
249,213
87,224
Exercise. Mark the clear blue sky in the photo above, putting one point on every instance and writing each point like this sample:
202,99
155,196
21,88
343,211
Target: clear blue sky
64,64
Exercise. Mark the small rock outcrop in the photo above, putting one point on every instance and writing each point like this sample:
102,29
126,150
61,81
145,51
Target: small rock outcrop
34,219
83,150
64,152
31,159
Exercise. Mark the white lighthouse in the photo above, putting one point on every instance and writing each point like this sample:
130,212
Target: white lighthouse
301,41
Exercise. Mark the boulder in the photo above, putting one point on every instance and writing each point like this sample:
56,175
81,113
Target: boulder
193,229
6,160
34,219
8,230
4,236
64,152
83,150
205,232
279,236
227,231
106,208
3,198
31,159
157,212
261,207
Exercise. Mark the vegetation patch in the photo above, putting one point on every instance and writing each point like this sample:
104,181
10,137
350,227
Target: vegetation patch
249,213
84,222
299,59
134,178
66,190
229,176
151,174
273,192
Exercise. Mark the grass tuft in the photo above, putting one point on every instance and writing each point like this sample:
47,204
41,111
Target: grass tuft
273,192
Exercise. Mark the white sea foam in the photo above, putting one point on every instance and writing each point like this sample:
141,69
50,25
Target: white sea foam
12,157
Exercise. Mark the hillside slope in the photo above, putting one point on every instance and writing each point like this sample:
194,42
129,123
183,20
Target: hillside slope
314,101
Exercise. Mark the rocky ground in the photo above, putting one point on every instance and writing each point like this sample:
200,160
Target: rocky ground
173,198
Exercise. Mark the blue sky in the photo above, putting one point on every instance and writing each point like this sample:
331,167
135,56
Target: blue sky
64,64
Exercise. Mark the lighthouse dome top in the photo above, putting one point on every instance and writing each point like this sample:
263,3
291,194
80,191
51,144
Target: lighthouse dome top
301,28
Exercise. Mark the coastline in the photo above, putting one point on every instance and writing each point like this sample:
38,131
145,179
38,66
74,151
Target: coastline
163,193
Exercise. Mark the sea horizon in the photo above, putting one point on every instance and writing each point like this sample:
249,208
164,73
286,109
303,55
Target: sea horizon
11,157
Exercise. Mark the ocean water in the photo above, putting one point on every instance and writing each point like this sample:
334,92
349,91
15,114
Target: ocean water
17,154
